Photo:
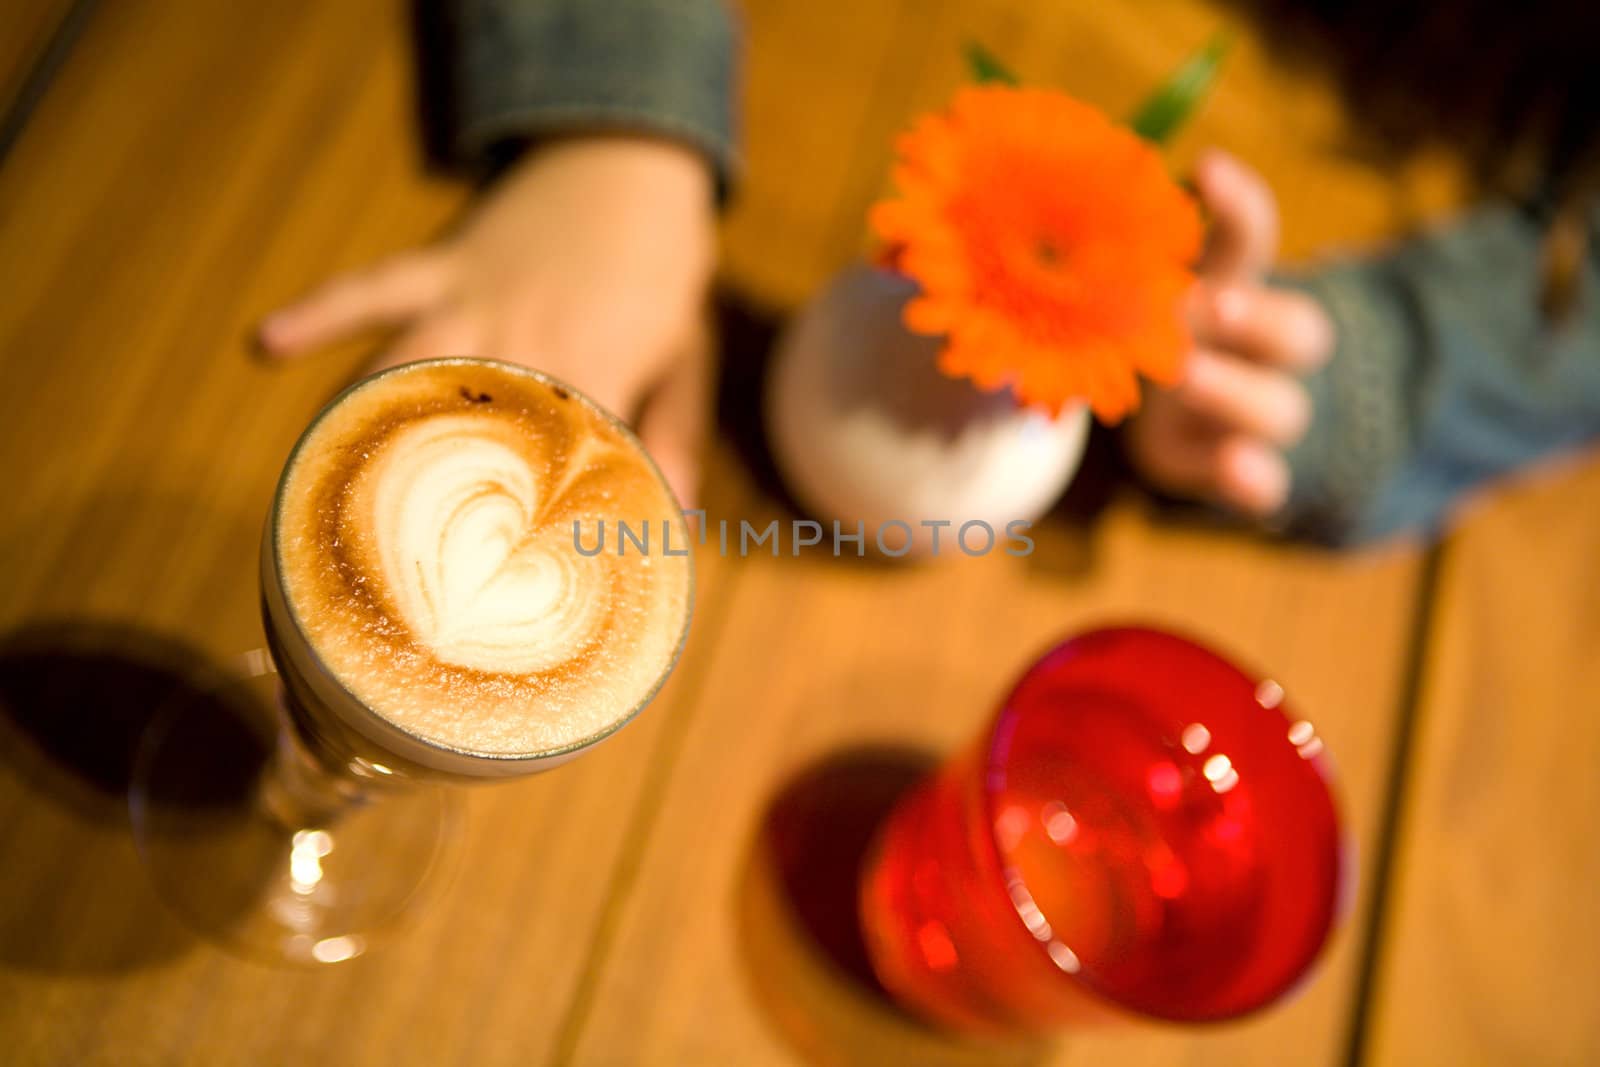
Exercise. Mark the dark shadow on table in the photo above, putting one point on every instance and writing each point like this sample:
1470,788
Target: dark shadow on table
797,922
746,334
433,48
76,699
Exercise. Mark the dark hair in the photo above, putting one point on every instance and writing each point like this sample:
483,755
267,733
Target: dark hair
1513,87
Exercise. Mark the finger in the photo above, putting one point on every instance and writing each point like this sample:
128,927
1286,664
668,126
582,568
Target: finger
384,295
1190,456
1244,397
585,361
434,338
617,396
618,393
1244,218
673,422
1275,327
1251,477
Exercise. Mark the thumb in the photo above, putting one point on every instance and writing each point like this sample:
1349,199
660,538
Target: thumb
1244,218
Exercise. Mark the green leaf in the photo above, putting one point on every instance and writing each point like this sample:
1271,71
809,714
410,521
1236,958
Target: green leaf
984,67
1164,110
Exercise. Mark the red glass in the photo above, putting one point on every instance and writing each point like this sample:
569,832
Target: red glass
1143,829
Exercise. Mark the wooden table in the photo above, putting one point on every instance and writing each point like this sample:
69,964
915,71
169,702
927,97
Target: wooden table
180,167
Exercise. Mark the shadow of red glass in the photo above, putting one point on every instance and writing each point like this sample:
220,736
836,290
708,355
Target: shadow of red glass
799,932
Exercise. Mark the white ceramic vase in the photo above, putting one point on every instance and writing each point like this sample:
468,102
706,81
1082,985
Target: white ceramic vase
863,426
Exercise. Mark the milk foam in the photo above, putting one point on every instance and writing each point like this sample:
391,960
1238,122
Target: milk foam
424,534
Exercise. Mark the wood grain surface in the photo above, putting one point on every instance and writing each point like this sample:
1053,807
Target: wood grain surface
194,164
861,657
1491,947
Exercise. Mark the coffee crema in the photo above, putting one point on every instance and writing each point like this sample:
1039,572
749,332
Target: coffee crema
425,545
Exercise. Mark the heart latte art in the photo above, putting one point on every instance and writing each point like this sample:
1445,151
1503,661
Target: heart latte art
470,569
425,536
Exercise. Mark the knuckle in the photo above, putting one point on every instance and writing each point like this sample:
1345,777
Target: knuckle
1231,306
1215,384
1303,330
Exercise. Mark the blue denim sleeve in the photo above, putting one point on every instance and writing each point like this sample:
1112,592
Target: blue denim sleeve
527,68
1446,374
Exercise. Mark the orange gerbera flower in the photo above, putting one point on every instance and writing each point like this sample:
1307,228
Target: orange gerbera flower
1051,245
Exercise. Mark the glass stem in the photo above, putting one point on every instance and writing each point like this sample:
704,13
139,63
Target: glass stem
301,786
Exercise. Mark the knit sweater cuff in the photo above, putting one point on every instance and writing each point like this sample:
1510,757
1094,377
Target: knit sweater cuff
528,70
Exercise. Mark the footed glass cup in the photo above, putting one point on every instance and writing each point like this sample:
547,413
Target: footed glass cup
1142,830
309,827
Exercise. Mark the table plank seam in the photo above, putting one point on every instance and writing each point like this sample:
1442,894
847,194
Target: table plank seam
663,762
1412,689
42,73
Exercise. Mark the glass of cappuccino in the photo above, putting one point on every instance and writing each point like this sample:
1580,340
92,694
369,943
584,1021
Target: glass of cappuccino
432,621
